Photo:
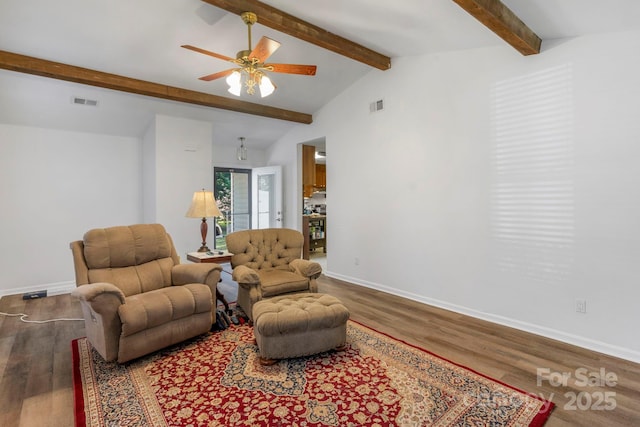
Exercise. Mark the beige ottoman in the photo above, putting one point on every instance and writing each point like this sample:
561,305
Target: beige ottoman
299,325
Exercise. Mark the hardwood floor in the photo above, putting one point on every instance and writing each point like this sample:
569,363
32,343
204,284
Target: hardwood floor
35,362
35,359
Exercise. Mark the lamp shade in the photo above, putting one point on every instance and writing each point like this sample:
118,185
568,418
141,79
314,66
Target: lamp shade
266,86
234,83
203,205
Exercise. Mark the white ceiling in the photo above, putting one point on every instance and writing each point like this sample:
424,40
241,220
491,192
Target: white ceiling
141,39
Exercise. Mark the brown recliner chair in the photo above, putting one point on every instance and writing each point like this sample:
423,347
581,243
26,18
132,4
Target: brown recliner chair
127,281
267,263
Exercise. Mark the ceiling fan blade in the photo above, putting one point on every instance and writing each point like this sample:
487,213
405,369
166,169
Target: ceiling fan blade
218,75
206,52
307,70
264,49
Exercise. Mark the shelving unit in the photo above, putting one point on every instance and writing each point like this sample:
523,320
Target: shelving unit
314,229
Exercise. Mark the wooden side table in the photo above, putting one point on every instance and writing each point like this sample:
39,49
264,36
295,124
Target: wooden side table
223,258
199,257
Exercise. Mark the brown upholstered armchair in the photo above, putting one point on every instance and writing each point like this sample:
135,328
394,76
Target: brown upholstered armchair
135,295
267,263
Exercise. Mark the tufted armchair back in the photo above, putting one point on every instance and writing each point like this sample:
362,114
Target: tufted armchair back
271,248
135,258
267,263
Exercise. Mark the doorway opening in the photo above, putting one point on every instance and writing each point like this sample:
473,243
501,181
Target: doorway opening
313,199
248,199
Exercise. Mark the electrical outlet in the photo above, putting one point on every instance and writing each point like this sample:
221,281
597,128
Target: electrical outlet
581,306
356,261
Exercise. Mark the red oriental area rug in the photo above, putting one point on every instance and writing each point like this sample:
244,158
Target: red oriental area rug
216,380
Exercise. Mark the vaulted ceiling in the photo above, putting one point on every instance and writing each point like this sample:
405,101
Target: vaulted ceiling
134,46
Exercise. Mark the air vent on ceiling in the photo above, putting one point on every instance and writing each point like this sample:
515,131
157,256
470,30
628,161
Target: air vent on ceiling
84,101
376,106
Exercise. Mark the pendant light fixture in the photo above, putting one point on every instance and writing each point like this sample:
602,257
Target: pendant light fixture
241,153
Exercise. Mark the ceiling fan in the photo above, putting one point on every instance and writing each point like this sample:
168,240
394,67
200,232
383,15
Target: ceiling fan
251,64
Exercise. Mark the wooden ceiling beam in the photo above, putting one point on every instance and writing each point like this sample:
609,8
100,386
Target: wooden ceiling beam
56,70
288,24
501,20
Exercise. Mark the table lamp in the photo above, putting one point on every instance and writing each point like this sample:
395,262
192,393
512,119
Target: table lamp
202,206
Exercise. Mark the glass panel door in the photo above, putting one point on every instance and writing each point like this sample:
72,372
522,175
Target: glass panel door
267,197
232,190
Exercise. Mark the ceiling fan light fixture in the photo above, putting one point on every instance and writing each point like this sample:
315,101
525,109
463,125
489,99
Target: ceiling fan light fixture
234,82
252,64
266,86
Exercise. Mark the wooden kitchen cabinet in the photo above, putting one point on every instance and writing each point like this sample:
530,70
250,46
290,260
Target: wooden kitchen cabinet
321,176
308,169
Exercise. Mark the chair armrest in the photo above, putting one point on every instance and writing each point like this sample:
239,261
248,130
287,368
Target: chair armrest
100,304
245,275
183,274
79,263
95,294
306,268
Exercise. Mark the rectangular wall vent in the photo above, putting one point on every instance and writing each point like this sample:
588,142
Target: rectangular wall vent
84,101
376,106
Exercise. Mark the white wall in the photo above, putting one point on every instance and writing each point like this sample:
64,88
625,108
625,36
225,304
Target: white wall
149,171
443,196
55,186
183,165
179,159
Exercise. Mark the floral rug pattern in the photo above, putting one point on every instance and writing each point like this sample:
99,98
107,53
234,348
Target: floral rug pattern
217,380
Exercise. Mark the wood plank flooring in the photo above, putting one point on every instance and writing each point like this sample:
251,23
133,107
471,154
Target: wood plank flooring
35,359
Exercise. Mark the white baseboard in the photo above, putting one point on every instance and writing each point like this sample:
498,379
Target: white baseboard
58,288
580,341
